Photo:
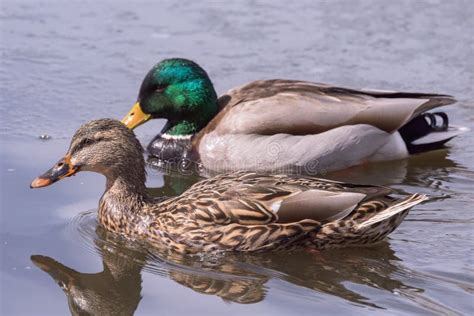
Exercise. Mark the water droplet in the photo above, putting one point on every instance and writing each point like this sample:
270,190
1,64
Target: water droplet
44,137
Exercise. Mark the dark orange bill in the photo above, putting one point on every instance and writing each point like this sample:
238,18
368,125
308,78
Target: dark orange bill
63,168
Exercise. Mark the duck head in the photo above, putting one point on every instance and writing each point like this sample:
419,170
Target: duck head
105,146
178,90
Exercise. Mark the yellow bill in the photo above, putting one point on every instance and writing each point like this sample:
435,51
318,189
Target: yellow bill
135,117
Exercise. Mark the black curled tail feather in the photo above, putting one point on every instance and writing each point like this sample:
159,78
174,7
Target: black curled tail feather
415,132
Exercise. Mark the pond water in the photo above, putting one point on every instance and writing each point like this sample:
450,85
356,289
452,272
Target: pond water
66,62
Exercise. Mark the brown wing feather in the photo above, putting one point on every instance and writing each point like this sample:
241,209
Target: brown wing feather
243,204
251,199
263,237
241,211
261,89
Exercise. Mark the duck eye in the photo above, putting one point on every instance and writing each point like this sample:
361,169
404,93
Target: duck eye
160,88
86,142
83,143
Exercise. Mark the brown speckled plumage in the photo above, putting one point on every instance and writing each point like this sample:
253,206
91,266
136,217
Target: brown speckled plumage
232,212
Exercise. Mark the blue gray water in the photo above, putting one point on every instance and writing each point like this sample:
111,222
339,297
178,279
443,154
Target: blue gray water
67,62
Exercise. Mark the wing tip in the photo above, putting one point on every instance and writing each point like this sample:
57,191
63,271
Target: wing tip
401,206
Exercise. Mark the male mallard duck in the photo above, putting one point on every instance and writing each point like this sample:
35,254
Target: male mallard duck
230,212
283,124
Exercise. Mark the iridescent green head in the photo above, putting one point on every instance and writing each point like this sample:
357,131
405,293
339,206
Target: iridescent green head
178,90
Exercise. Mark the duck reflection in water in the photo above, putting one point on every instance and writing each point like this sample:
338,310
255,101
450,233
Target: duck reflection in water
238,278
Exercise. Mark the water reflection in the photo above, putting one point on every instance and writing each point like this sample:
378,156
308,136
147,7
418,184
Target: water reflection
238,278
415,170
422,169
174,184
113,291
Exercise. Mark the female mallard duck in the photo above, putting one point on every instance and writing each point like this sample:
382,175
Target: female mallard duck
283,124
230,212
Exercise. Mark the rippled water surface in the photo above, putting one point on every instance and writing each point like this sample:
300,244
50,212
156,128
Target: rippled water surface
67,62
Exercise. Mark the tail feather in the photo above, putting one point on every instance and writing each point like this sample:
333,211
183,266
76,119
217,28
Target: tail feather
444,136
394,210
428,131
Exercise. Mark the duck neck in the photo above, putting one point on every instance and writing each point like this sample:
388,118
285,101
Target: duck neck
181,129
123,200
120,186
200,109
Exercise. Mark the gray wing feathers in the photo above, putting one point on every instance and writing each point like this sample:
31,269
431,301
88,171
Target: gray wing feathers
300,108
317,205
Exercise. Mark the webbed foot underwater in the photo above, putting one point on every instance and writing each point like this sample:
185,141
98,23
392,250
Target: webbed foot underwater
239,211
